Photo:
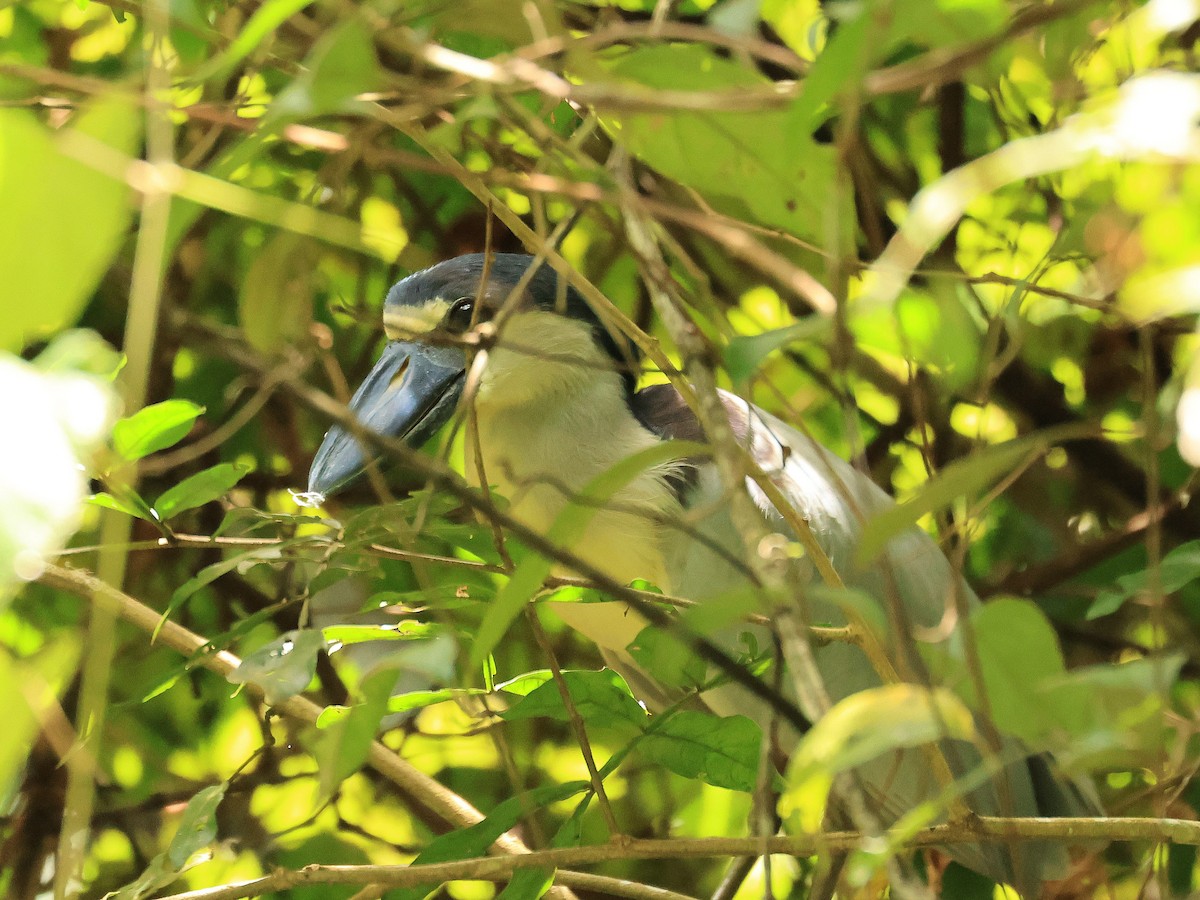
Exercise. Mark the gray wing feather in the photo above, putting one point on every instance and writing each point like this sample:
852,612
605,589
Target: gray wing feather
914,576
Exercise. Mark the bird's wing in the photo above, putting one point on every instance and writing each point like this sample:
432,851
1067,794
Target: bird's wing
913,583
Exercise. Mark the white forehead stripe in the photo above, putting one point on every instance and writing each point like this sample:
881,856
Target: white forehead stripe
413,321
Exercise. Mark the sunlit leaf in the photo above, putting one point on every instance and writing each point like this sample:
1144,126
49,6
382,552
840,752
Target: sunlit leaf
63,219
858,729
130,504
154,428
724,752
399,703
198,489
602,699
936,327
526,683
407,630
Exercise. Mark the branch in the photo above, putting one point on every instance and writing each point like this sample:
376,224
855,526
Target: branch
447,805
450,807
984,829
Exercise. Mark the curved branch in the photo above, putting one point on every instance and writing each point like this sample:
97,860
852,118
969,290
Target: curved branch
427,791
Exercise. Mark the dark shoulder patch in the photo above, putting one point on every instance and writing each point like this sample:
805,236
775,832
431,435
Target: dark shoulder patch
662,410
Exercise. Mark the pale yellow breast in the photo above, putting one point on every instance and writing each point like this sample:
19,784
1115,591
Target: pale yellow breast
539,455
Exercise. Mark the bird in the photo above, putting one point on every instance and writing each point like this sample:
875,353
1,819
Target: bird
557,404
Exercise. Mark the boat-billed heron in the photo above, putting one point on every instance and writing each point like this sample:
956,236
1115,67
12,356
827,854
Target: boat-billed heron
556,405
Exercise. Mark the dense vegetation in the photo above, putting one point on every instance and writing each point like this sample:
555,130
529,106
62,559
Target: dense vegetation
958,239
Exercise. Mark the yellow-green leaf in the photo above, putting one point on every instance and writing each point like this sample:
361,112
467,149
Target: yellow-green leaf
858,729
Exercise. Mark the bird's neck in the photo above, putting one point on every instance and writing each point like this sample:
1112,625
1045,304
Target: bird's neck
541,455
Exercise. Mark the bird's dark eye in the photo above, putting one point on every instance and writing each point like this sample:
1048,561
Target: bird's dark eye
458,319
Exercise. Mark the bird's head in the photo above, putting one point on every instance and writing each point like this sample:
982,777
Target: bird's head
546,341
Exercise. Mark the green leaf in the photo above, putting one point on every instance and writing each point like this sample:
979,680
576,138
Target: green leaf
935,327
840,65
63,220
525,684
406,630
858,729
418,699
206,576
154,428
1177,569
603,699
792,185
568,527
399,703
745,352
475,840
867,33
1018,654
275,304
347,744
284,667
528,884
267,17
137,508
961,883
963,477
157,874
670,661
1181,869
724,752
197,829
198,826
80,351
341,66
198,489
1110,716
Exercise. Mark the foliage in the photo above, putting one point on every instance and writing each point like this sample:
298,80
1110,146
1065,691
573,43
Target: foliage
957,240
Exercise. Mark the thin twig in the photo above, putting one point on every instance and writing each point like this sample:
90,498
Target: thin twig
585,746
